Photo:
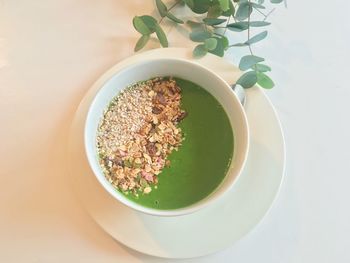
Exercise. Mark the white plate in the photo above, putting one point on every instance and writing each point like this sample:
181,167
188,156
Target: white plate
213,228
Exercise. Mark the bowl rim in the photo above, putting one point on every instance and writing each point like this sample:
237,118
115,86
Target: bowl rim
101,83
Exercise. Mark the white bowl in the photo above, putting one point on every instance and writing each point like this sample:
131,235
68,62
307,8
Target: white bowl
186,70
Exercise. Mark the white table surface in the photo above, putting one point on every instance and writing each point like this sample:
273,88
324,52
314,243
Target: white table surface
51,51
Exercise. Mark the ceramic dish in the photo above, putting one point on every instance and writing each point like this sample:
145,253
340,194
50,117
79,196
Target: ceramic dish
184,69
217,226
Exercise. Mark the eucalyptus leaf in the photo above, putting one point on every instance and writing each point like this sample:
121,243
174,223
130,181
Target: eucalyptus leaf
161,36
239,45
276,1
225,42
140,26
150,22
248,79
238,26
213,21
189,3
244,10
200,6
141,42
265,81
244,25
174,18
194,25
200,36
261,67
224,4
162,9
210,43
259,23
221,46
199,51
256,38
214,11
248,61
230,11
258,6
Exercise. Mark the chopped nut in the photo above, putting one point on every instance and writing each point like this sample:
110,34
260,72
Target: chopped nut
160,98
151,148
182,116
156,110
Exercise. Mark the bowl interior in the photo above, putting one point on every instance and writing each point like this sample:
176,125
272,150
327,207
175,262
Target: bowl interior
185,70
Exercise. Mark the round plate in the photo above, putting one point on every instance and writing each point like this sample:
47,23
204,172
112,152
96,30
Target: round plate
217,226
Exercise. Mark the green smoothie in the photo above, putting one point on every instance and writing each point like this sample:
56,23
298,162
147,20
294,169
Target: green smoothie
201,163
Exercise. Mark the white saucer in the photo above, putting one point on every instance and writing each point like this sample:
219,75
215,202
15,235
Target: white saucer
213,228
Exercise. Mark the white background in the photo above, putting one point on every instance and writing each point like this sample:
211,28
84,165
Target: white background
51,51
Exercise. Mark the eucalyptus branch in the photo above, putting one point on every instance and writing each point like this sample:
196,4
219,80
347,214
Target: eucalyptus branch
227,22
269,13
170,8
215,16
262,13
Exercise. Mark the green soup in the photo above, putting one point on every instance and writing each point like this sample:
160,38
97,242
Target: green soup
201,163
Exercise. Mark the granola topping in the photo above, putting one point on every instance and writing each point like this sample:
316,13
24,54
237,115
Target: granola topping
138,132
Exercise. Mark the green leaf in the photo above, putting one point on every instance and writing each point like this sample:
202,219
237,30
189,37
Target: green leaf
150,22
265,81
225,41
210,43
199,51
243,25
189,3
200,6
248,79
244,10
224,4
141,42
222,44
259,23
230,11
161,36
239,45
238,26
258,6
261,68
213,21
194,25
162,9
256,38
200,36
276,1
248,61
174,18
140,26
214,11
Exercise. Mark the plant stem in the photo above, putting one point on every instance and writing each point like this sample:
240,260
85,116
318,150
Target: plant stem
269,13
250,48
171,7
257,9
228,21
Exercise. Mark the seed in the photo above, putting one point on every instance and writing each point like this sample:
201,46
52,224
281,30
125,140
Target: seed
147,190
